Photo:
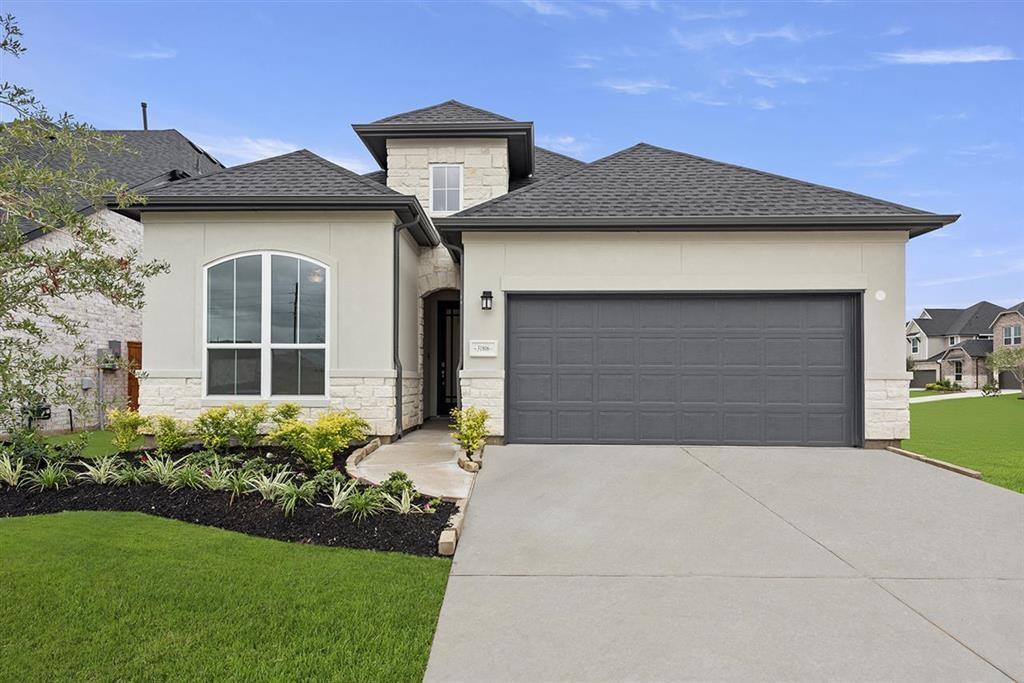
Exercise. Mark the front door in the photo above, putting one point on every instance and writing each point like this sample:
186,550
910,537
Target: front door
135,359
447,355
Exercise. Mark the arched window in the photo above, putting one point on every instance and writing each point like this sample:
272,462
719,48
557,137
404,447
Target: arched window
266,326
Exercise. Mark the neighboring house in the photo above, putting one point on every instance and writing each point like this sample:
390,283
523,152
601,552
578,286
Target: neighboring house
952,343
150,158
1008,330
647,297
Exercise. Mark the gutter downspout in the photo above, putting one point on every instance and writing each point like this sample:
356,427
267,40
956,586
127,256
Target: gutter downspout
396,281
462,320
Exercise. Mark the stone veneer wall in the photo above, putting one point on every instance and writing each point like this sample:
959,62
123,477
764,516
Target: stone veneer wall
1002,322
103,322
480,390
484,161
975,371
886,409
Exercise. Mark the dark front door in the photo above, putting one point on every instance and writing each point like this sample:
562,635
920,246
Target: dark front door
135,359
447,355
741,369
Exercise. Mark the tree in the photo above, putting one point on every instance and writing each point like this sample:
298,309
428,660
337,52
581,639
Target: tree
47,185
1009,358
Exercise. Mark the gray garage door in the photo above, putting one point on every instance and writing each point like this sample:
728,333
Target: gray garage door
774,370
923,377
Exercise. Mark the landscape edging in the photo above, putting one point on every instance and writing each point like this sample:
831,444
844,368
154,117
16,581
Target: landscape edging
966,471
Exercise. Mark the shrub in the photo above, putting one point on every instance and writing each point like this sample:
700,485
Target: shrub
340,492
162,471
244,423
397,483
125,424
470,428
32,448
170,434
944,385
285,412
363,504
990,390
11,469
290,494
188,475
101,470
53,476
402,503
213,427
217,476
317,443
130,476
269,487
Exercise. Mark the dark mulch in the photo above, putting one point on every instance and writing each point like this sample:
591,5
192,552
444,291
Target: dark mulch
249,514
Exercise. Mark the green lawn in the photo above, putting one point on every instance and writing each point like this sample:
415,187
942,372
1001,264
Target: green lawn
97,445
105,596
917,393
984,434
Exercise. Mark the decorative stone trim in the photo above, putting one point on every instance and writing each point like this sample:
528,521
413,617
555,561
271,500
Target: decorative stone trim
487,393
357,457
449,538
886,409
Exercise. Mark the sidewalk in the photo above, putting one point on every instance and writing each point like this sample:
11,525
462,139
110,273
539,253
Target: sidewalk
970,393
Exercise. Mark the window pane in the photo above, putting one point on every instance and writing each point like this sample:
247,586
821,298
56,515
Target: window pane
453,200
297,372
220,302
437,201
312,303
248,282
284,299
233,372
452,174
438,176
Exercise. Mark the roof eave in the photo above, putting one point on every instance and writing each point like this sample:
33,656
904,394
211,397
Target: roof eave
407,207
518,133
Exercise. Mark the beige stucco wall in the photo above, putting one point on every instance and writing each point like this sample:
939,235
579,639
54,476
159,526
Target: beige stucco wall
647,261
357,248
484,161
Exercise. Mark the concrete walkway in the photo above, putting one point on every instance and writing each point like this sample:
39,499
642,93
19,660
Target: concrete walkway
969,393
428,456
603,563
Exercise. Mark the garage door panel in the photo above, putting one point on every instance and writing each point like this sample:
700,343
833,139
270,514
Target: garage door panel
744,369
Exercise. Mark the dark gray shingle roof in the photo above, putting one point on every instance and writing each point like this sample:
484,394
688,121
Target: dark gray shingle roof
976,319
295,174
975,348
649,181
546,165
380,177
446,112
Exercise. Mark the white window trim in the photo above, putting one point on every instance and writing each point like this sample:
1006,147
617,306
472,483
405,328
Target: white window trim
915,344
462,183
1012,335
266,346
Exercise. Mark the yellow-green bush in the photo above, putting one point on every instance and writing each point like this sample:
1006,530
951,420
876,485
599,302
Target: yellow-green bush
124,424
317,442
470,428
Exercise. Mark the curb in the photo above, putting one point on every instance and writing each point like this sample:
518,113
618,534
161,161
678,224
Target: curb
449,538
936,463
358,455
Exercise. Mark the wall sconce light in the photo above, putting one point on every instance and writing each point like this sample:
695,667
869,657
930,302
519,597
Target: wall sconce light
486,300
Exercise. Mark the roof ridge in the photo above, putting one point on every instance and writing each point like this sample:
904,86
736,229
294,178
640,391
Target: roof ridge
348,172
542,183
781,177
439,104
186,181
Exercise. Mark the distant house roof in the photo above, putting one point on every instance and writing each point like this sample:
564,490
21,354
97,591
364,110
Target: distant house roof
975,348
148,158
299,180
976,319
1016,308
645,185
452,119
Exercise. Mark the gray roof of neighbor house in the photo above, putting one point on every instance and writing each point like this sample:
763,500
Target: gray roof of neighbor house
299,180
451,111
976,319
149,157
975,348
645,185
546,165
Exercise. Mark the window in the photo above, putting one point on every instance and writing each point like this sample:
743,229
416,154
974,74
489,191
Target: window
1011,334
445,188
915,344
953,340
266,326
958,370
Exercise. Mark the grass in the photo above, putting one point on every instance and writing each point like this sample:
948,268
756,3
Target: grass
984,434
917,393
106,596
97,442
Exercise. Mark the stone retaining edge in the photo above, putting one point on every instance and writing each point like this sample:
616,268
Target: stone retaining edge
967,472
449,538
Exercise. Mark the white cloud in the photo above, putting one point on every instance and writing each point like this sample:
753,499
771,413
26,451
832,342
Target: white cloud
635,5
566,144
963,55
980,252
725,36
153,53
353,164
772,78
988,149
762,103
241,149
635,87
706,99
720,15
584,61
959,116
894,158
1015,267
547,9
894,31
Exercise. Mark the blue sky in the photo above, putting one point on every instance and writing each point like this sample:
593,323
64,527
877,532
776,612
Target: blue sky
919,103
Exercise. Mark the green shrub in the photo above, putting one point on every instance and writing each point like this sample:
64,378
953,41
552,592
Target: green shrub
188,475
52,476
317,443
244,422
990,390
170,434
11,470
213,427
397,483
239,482
285,412
125,424
290,494
340,492
101,470
402,503
31,447
217,476
162,471
269,487
130,476
363,504
470,428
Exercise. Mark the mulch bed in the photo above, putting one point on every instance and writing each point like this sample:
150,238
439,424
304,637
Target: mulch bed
414,534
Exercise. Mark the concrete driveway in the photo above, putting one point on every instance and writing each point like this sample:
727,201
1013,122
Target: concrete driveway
608,563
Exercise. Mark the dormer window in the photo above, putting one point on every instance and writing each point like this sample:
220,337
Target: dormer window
445,188
915,344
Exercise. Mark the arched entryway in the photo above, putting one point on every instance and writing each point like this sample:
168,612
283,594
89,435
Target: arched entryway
441,348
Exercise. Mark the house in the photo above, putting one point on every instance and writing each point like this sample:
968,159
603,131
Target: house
149,158
952,343
1007,329
650,296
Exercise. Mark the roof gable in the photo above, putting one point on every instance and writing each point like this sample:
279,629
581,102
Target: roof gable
976,319
451,111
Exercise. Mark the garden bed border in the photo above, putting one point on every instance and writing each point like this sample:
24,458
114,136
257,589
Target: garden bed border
966,471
